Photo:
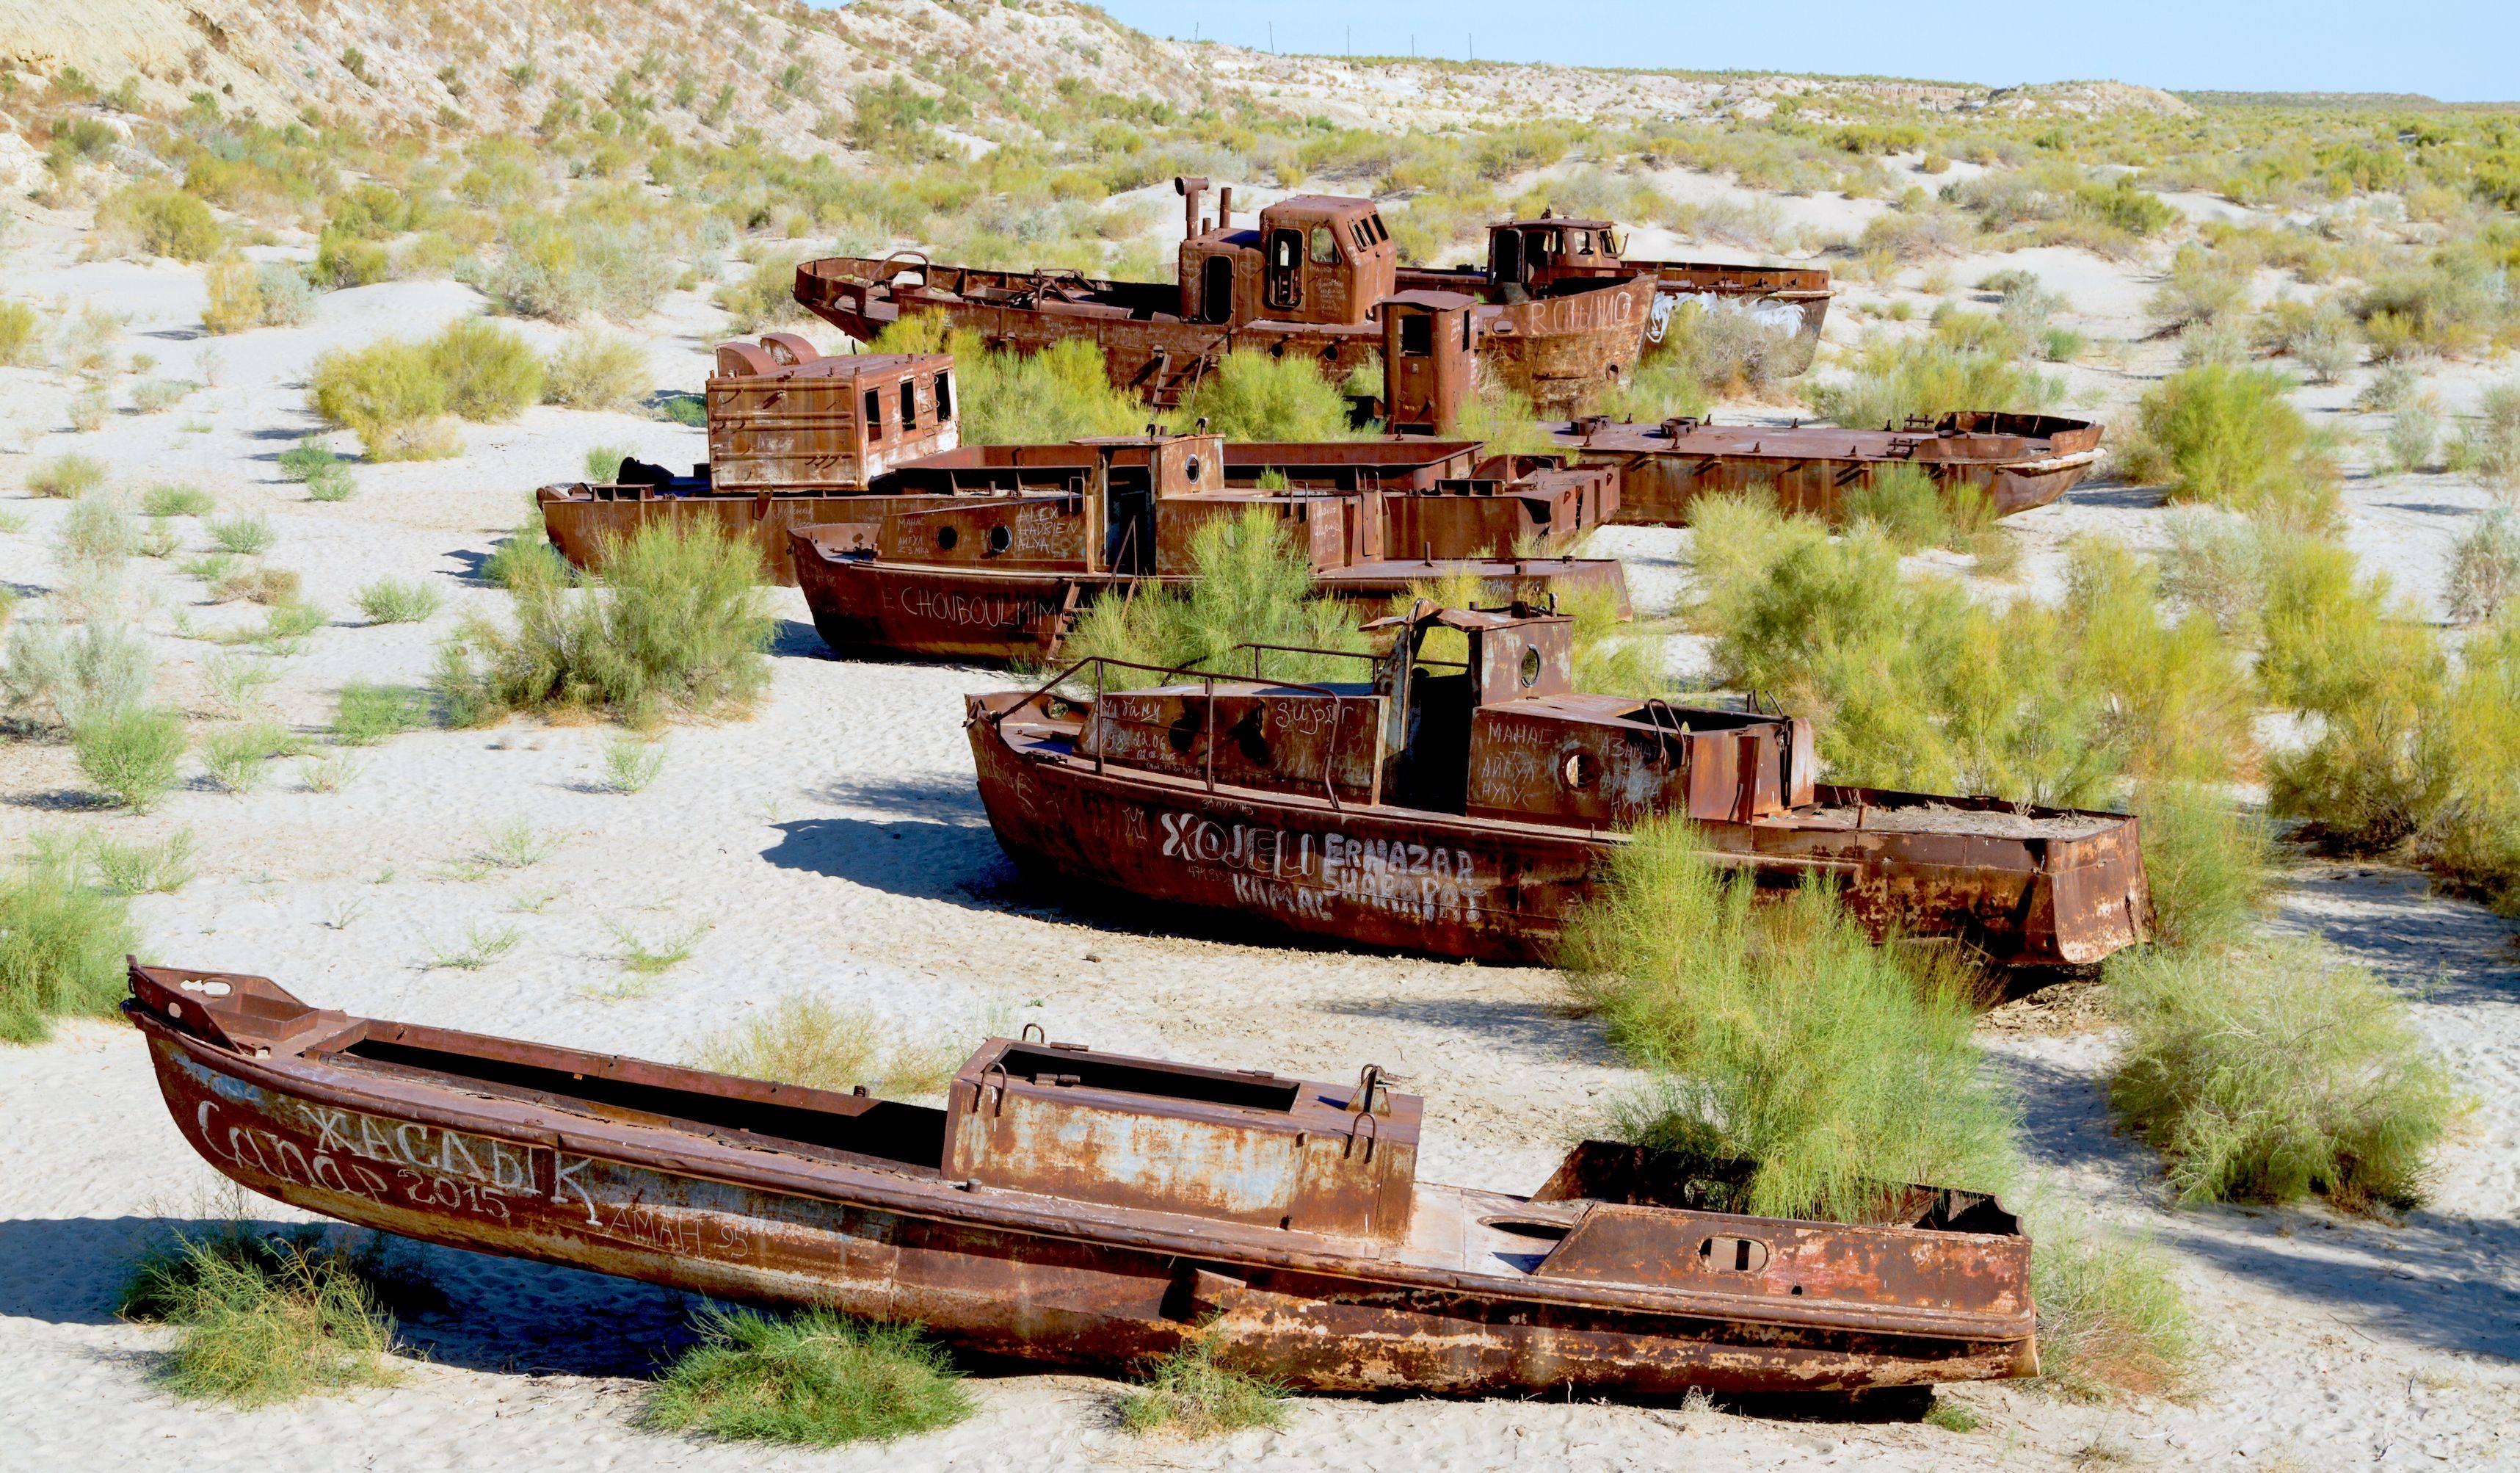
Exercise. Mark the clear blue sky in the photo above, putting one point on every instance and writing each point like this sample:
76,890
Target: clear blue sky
2457,51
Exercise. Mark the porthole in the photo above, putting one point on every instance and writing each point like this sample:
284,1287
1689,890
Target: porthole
1190,469
946,537
1000,540
1530,668
1580,770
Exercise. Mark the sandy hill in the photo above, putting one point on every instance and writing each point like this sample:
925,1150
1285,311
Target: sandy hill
706,69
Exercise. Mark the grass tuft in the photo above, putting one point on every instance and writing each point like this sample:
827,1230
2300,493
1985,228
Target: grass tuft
62,942
367,713
631,763
244,535
1189,1394
810,1041
642,957
176,501
2111,1319
815,1379
392,601
130,754
481,947
267,1319
237,757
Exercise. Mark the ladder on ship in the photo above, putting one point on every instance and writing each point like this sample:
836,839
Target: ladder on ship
1165,385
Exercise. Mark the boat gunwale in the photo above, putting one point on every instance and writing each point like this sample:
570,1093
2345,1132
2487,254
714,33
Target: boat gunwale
760,1169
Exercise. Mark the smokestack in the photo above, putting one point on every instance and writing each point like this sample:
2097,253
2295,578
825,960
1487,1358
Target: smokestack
1191,187
1225,207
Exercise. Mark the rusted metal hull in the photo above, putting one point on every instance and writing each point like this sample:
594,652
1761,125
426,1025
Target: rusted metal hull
2017,461
1052,1279
1555,350
579,518
868,606
1447,884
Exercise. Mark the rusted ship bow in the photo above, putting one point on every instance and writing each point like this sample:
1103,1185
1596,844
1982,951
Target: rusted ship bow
1069,1205
1467,809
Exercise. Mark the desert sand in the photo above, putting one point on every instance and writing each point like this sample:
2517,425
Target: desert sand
832,843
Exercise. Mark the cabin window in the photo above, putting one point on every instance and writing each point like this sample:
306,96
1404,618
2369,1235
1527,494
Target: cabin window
874,414
909,405
1216,290
1582,243
1417,334
944,398
1286,262
1324,246
1357,232
1375,221
1507,265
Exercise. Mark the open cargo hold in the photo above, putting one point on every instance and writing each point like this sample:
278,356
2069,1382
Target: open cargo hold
2017,461
1080,1208
1009,579
1466,809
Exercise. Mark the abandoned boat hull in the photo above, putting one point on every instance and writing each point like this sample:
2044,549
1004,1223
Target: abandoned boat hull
2017,461
1019,1275
1445,885
580,518
943,611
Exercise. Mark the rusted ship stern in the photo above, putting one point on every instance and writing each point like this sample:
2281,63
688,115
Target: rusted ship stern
1075,1207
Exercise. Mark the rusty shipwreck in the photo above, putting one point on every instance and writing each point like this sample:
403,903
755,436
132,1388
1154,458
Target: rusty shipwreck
1310,279
1069,1205
1007,578
2014,461
1465,808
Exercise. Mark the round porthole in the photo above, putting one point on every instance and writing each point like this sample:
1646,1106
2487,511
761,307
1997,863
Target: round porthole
1580,770
1530,667
946,537
1000,540
1190,469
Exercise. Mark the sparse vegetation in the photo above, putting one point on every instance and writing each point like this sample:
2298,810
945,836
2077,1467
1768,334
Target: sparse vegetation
814,1380
2229,437
2111,1319
176,501
808,1039
604,464
1189,1395
597,370
367,713
677,622
631,763
66,475
481,947
2485,567
246,535
237,756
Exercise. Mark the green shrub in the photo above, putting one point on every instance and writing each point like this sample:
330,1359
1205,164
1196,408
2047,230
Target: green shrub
1893,380
764,297
392,601
604,464
816,1379
810,1041
567,269
1780,1036
2111,1319
72,674
677,622
343,261
2267,1073
61,946
2205,862
2490,444
2471,747
20,334
1502,421
591,369
2414,433
523,561
97,530
176,501
1253,396
331,483
367,713
1717,352
287,297
141,867
1908,506
1189,1394
1006,398
159,221
264,1321
130,755
1250,584
66,475
2203,288
391,394
630,763
2230,438
490,374
235,296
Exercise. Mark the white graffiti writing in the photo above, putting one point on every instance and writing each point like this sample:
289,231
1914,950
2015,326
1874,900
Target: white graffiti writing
1298,873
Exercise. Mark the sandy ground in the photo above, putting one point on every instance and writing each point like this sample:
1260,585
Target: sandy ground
834,845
